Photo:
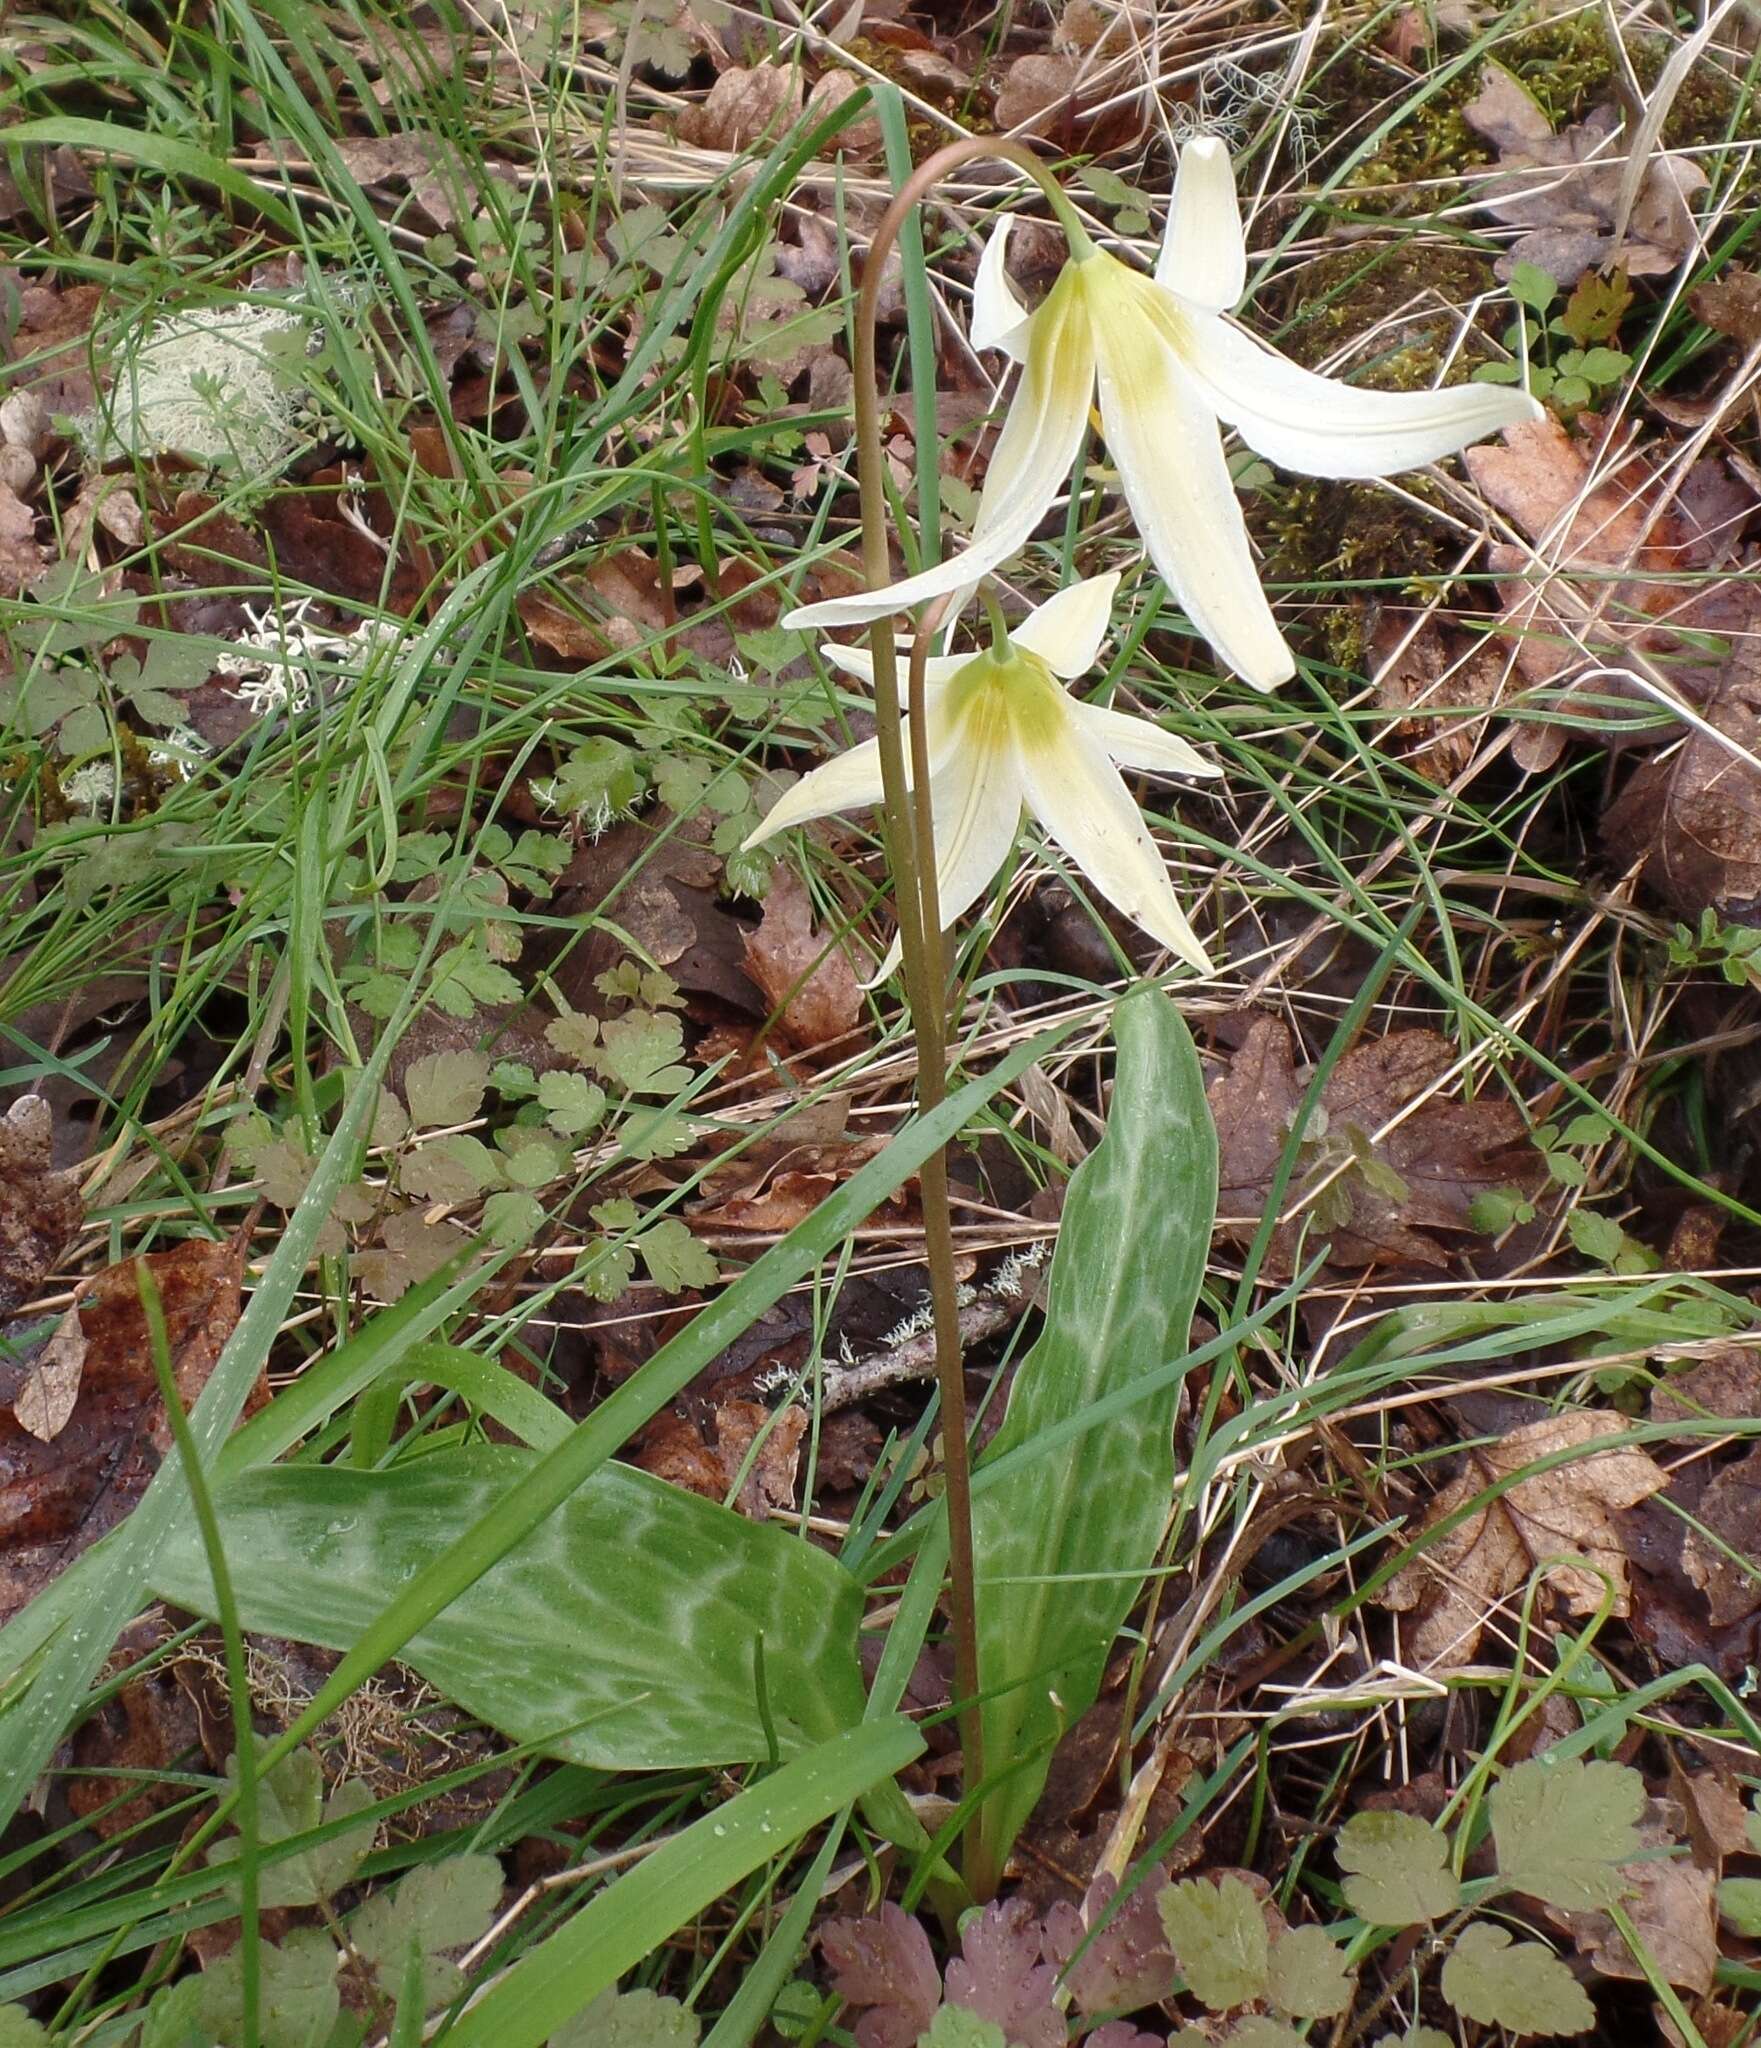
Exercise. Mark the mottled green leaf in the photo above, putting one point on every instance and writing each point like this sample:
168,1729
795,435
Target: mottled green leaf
1563,1830
1217,1931
513,1219
1309,1974
1062,1543
18,2029
637,1053
1520,1985
623,1632
1400,1869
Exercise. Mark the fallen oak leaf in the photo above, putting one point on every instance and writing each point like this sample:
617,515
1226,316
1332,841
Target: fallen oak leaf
46,1400
1382,1198
57,1498
1454,1580
805,973
40,1208
1571,215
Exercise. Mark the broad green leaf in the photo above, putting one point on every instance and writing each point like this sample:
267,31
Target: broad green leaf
624,1632
1416,2037
631,1918
637,1050
18,2029
452,1169
1309,1974
1564,1829
1258,2030
445,1088
1739,1906
1400,1869
631,2019
436,1907
1752,1827
955,2027
1218,1934
1063,1544
1520,1985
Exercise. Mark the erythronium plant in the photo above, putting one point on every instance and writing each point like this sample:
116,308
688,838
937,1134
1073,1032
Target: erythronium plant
1003,731
1170,367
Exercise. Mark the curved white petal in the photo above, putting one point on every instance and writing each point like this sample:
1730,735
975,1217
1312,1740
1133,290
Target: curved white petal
844,783
1170,460
975,798
1067,630
1204,253
1320,427
999,319
859,662
1135,743
1077,796
1032,458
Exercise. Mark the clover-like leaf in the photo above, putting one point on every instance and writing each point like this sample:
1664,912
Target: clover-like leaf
575,1036
1399,1869
18,2029
572,1104
674,1258
291,1801
1739,1906
955,2027
299,1999
1218,1934
436,1907
1309,1974
452,1169
513,1219
638,1052
1564,1829
630,2019
1519,1985
445,1088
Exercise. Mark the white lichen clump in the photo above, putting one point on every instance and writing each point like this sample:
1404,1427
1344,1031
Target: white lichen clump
220,386
280,663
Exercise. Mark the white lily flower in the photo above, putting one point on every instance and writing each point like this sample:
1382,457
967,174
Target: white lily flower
1169,367
1003,732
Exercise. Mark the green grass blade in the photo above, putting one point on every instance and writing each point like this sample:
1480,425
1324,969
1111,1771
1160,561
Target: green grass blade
159,153
630,1919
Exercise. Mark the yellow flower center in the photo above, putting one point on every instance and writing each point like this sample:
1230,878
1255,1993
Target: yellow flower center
1012,699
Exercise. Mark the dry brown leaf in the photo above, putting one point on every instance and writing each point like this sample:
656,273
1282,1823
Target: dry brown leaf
1565,188
1380,1201
744,107
1615,570
1107,27
1436,678
56,1498
1569,1510
1035,92
46,1400
1725,1561
1691,819
769,1481
1727,1383
22,557
40,1209
804,972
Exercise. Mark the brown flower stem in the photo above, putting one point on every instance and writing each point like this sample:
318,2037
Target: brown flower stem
910,839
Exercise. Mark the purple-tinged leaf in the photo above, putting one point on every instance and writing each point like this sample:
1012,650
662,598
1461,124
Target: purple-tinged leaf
1129,1964
999,1976
884,1963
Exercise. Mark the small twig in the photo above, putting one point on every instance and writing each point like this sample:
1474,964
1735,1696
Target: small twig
909,1353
